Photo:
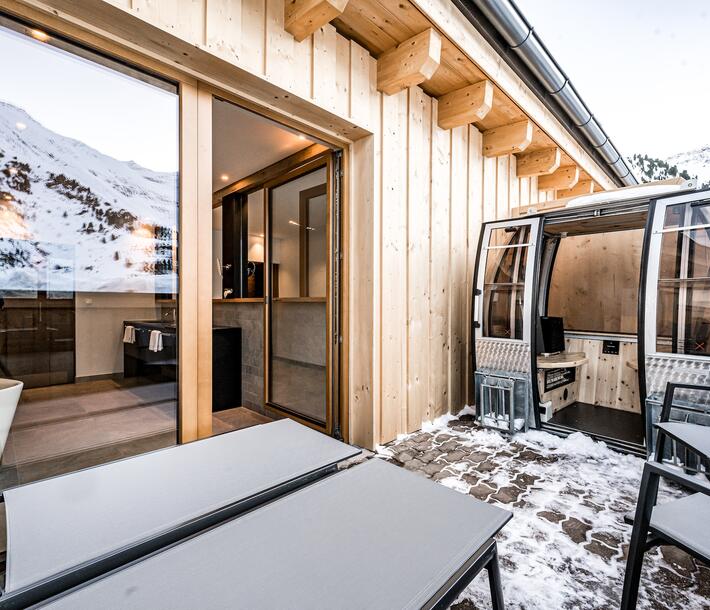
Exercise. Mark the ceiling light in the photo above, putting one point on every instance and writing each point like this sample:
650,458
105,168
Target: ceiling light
39,35
21,126
224,177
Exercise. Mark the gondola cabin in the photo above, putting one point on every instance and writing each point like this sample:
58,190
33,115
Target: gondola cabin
584,310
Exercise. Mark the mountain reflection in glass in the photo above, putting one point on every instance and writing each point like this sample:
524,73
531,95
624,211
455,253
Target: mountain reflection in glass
88,251
75,213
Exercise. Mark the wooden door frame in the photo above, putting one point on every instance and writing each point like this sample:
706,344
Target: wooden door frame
323,160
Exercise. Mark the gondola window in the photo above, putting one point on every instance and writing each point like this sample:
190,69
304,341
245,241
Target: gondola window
504,284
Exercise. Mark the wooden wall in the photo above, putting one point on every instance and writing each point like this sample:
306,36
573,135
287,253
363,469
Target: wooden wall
416,195
436,189
595,282
608,380
325,69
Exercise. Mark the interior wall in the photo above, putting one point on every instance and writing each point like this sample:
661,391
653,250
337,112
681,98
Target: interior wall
595,282
250,318
608,380
99,318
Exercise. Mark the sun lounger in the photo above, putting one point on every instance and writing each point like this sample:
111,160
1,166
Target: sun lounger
65,530
373,536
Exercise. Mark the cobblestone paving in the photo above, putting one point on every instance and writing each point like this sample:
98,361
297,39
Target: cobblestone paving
566,545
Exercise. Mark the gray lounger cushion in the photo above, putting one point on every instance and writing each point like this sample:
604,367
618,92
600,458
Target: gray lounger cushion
62,522
374,536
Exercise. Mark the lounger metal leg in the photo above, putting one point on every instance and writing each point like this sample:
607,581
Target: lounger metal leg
485,558
495,581
647,499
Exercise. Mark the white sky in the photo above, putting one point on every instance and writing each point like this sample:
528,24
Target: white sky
640,65
120,116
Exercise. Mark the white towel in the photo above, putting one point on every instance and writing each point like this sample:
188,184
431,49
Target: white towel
129,334
156,341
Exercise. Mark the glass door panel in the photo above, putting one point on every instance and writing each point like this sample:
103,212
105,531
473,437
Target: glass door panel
678,320
298,268
504,280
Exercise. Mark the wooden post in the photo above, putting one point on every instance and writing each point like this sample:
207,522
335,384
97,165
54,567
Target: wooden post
564,178
539,162
409,63
507,139
303,17
466,105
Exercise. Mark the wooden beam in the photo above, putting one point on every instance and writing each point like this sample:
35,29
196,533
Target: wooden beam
513,138
409,63
564,178
465,105
269,173
303,17
539,162
583,187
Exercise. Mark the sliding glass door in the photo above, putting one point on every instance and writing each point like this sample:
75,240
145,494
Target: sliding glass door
88,257
299,304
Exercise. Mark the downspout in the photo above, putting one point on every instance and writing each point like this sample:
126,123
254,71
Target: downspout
520,38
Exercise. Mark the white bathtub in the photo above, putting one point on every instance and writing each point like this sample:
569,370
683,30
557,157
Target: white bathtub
10,391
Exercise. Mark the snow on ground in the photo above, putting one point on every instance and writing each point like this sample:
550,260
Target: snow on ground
565,547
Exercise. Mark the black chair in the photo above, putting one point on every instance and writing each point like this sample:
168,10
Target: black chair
683,522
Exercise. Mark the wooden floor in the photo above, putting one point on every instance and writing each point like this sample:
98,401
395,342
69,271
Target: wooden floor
594,419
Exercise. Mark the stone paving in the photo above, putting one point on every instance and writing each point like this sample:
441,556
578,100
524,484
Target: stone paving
566,545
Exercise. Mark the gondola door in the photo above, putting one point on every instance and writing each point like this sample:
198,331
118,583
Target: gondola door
502,323
674,334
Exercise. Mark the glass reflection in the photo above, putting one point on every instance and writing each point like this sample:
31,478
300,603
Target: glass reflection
88,257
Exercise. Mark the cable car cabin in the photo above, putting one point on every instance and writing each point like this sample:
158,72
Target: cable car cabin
583,313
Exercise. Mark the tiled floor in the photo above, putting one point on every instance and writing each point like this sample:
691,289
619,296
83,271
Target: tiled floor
64,428
565,548
299,387
230,420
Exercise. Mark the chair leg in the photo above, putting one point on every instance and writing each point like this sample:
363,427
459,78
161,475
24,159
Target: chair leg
637,547
495,582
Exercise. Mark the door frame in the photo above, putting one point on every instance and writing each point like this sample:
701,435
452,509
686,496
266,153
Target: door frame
334,222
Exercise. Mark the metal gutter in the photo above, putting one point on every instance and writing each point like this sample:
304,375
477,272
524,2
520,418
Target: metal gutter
504,26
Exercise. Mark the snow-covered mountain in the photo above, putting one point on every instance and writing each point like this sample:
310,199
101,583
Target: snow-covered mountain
695,162
74,219
692,164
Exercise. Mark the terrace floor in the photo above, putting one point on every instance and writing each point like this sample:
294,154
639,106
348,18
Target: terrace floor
566,545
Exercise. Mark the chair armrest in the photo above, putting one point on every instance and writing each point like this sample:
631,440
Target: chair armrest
694,483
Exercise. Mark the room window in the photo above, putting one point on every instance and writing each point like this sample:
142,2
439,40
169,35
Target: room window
88,256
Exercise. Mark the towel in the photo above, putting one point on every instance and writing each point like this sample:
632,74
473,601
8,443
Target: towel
156,341
129,334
